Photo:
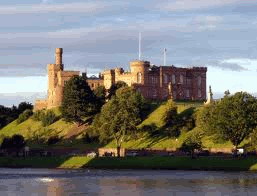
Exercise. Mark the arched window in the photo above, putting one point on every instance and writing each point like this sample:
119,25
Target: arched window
181,79
165,78
173,79
139,77
187,93
199,81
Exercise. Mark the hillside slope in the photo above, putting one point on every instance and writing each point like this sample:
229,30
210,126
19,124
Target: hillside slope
71,134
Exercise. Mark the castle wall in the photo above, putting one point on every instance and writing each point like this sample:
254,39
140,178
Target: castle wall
40,104
95,83
151,81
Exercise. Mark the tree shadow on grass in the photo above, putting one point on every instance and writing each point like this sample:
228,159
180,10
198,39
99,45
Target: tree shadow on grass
174,163
33,162
149,108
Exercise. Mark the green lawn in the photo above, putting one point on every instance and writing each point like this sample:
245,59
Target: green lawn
155,162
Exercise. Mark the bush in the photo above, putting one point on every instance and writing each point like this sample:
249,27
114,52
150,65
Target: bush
16,141
53,140
192,142
48,118
24,116
38,115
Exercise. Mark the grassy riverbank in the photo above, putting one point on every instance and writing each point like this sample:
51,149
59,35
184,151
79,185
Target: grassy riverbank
173,163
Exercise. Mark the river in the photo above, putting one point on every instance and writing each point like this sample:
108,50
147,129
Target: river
55,182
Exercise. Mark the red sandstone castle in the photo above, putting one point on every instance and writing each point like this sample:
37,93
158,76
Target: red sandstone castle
154,82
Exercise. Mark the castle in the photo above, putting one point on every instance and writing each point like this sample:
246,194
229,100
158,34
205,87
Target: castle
154,82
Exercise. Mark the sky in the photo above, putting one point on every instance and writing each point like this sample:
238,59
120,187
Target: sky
97,35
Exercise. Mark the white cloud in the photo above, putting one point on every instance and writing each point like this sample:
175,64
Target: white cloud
181,5
120,19
209,27
89,7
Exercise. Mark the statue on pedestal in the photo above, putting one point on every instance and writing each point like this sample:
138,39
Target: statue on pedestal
210,94
170,86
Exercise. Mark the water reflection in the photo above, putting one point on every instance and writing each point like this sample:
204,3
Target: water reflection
97,182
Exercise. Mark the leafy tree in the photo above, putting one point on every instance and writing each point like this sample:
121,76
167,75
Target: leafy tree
38,115
24,116
226,93
192,142
24,106
100,95
16,142
120,116
234,118
78,100
7,115
115,87
48,118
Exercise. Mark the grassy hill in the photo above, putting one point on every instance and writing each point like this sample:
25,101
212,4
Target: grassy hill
71,134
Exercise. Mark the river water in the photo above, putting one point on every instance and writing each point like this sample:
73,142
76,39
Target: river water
37,182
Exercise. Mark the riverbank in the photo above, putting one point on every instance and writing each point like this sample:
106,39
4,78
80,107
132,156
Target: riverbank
170,163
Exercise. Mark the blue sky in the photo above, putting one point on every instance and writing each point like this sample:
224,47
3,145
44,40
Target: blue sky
95,35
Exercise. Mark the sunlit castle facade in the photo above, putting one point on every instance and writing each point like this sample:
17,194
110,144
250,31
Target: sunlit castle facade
154,82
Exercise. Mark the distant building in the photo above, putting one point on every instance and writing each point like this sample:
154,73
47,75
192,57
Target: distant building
152,81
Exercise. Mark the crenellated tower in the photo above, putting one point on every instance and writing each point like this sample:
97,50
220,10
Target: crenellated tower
54,89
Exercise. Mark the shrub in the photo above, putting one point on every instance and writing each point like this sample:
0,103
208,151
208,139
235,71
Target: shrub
38,115
24,116
48,118
53,140
16,141
192,142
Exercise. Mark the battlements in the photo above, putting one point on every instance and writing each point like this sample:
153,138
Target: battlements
204,69
110,71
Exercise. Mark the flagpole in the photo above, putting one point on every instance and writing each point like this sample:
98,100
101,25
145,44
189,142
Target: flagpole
139,45
164,60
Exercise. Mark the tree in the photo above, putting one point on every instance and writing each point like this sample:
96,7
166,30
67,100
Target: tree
192,142
24,116
234,118
79,100
120,116
115,87
24,106
100,95
226,93
16,142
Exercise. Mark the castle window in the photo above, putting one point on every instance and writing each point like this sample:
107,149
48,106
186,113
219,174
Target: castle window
173,79
154,93
187,93
165,78
199,93
139,77
181,79
92,85
199,81
153,80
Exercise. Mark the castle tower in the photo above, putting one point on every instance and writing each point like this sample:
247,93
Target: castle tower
54,90
139,68
58,57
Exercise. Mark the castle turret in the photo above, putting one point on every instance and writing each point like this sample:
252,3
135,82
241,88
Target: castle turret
58,57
